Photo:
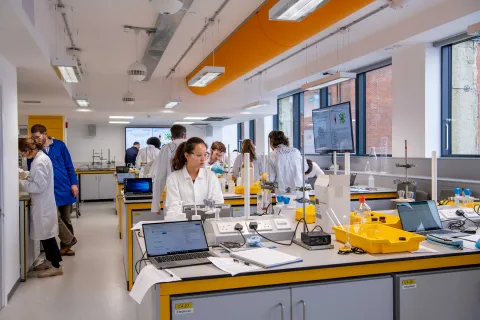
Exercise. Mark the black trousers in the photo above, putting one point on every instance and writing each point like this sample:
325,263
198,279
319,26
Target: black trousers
52,253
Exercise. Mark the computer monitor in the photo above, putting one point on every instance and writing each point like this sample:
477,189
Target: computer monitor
419,216
138,186
174,237
332,129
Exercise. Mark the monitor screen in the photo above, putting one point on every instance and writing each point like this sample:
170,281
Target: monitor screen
332,129
174,237
142,185
141,135
419,216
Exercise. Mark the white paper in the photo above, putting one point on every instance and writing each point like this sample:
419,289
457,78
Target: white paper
230,266
423,249
148,277
472,238
138,226
469,245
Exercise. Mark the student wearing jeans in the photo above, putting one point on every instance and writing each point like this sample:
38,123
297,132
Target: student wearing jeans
66,185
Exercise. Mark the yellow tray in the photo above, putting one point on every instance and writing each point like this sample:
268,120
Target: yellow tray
253,189
391,221
379,238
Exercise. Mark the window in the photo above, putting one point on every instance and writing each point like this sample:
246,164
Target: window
379,109
460,98
285,116
311,101
251,129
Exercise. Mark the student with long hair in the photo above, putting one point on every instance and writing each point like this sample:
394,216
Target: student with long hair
248,147
190,183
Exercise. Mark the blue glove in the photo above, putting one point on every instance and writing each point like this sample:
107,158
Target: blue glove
217,169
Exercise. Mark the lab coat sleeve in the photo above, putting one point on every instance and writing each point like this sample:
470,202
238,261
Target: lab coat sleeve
273,173
215,192
317,170
173,198
237,166
159,178
67,159
38,180
138,161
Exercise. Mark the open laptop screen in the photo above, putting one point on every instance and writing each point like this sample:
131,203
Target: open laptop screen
419,216
174,238
142,185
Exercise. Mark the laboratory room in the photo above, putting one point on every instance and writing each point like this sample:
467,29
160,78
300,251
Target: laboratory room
240,159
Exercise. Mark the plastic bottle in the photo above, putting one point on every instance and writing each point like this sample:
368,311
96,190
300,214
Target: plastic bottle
371,181
363,210
457,192
467,199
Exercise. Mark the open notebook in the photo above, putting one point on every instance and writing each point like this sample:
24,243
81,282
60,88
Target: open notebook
266,258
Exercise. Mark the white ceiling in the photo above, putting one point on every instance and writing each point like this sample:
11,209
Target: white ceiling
107,51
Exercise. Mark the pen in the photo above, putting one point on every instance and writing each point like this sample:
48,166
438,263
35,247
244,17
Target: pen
169,272
239,261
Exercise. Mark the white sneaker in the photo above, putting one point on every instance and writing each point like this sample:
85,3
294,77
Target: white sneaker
45,265
52,272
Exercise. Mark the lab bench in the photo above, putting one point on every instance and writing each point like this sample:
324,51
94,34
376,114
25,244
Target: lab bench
96,185
29,249
401,286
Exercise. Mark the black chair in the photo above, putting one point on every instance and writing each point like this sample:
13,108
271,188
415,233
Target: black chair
421,195
446,194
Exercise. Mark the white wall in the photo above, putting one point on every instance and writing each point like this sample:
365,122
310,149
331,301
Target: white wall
108,136
9,183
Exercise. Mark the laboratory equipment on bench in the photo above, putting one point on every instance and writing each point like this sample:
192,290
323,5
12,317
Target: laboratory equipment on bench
206,212
362,210
409,184
455,212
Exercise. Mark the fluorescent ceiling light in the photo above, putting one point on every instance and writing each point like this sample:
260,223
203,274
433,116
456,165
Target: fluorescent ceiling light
68,70
206,76
329,80
294,10
171,104
256,105
195,118
167,111
83,110
119,122
81,102
121,117
183,122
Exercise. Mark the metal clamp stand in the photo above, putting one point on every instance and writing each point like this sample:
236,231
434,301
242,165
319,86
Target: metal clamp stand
407,166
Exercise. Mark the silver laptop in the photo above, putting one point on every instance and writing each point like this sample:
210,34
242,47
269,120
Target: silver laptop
176,244
138,189
422,218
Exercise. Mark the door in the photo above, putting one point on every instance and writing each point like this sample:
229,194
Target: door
252,304
366,299
106,186
89,186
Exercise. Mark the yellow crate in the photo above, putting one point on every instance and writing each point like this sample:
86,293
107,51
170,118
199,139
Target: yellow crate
391,221
310,216
378,238
253,189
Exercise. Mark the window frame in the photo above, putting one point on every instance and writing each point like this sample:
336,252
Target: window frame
446,101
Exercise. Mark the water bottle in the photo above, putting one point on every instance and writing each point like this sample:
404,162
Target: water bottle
371,181
363,210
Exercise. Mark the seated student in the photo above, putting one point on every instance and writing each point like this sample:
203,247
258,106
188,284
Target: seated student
190,183
248,147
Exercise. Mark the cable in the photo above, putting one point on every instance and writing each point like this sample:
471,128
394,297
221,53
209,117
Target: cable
137,269
235,245
266,210
283,244
317,226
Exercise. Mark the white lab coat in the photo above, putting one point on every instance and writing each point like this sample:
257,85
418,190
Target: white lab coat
316,171
43,210
257,168
180,187
146,156
286,168
161,169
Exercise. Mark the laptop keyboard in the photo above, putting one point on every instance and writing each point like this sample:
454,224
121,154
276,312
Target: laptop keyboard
185,256
436,232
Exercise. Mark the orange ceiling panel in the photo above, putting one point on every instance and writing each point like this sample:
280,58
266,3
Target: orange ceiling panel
259,40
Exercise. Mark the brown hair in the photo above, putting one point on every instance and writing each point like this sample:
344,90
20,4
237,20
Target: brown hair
277,138
248,147
179,160
178,131
217,145
310,166
29,144
38,128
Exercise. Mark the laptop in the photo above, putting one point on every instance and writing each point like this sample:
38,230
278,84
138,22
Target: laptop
176,244
422,218
138,189
122,176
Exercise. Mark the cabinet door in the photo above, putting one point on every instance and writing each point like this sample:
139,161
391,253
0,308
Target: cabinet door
368,299
89,186
106,186
258,305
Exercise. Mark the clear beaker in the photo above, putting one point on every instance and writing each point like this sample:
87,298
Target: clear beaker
401,194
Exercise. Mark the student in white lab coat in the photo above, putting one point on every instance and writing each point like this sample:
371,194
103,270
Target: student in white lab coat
43,212
190,183
313,170
248,147
147,155
285,164
162,166
217,152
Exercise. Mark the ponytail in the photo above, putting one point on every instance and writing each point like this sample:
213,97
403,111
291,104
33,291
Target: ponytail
179,160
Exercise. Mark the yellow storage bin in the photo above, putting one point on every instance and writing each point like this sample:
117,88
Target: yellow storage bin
253,189
378,238
391,221
310,216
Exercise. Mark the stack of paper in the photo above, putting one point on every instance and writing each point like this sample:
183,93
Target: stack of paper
148,277
266,258
231,266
